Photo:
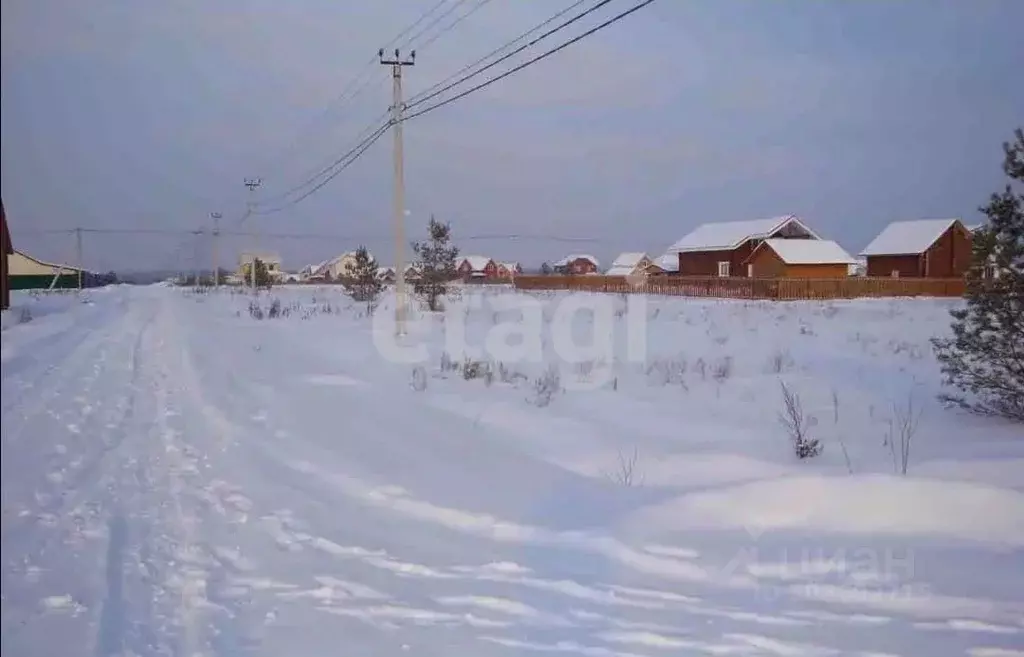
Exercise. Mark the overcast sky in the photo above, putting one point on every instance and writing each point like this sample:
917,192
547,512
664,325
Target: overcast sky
145,114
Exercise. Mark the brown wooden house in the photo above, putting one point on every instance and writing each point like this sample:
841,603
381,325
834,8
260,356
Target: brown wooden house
925,248
777,258
577,264
6,249
722,249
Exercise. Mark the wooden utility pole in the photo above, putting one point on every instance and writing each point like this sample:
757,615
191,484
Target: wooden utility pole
213,248
253,184
397,107
78,255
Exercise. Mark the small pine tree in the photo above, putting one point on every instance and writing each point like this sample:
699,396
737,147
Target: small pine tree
984,359
262,275
437,267
364,283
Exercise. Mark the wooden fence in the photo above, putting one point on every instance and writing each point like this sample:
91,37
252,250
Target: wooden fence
752,288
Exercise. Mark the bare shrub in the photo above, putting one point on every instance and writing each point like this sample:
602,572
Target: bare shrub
722,369
256,310
839,435
798,424
779,362
419,379
546,387
701,368
663,371
475,369
900,433
505,375
626,472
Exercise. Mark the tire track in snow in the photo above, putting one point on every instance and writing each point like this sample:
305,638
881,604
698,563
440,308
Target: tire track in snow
110,642
36,553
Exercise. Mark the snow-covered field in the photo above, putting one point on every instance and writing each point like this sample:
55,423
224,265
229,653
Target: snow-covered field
181,478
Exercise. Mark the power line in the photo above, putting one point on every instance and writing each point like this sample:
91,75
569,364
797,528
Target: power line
365,134
351,156
411,40
431,92
534,60
368,66
190,232
344,162
358,84
480,5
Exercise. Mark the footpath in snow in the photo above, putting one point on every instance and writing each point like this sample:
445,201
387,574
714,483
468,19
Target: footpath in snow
183,475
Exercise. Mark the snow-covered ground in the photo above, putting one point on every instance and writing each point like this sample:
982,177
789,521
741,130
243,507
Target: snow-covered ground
181,478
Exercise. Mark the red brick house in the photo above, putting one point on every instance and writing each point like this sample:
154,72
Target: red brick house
476,267
577,264
6,249
722,249
925,248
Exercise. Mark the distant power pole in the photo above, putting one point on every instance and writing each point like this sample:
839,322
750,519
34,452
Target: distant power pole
195,258
253,184
78,255
397,107
213,244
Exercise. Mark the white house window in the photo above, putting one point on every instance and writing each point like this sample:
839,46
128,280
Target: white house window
895,273
723,268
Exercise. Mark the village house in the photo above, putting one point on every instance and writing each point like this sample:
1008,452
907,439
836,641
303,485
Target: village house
923,248
6,249
477,267
577,264
25,272
509,270
333,269
722,249
271,261
781,258
386,274
631,264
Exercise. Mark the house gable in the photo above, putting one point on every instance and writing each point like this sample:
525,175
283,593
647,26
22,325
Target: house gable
728,236
904,238
628,263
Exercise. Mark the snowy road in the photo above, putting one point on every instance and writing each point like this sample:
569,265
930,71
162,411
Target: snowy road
181,481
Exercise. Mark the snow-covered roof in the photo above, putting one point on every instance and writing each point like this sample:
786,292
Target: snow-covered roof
728,235
669,262
477,262
625,263
808,252
44,263
908,237
572,257
629,259
511,266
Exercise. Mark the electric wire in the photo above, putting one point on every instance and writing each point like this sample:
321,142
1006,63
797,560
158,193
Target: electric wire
441,87
531,61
